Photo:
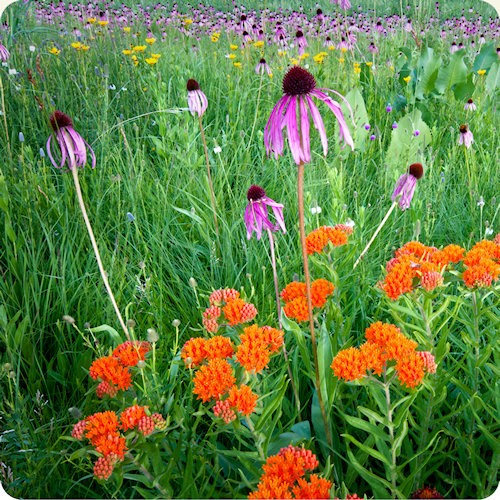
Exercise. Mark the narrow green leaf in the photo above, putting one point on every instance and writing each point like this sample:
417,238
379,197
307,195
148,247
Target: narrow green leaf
359,423
370,451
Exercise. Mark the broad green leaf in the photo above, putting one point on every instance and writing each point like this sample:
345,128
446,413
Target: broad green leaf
360,115
428,67
492,82
405,147
486,57
359,423
113,334
452,74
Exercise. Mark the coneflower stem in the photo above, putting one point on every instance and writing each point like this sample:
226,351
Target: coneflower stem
372,239
300,196
7,138
74,171
278,307
212,194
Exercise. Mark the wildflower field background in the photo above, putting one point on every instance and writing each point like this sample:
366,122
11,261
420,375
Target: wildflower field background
204,390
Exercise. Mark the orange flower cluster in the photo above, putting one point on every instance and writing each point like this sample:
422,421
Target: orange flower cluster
285,476
417,264
215,379
294,296
384,343
317,240
227,302
103,431
482,263
113,371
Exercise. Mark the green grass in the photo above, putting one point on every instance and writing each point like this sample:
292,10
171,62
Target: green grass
150,163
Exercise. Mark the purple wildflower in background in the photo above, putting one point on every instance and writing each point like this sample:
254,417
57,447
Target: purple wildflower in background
299,86
405,187
262,67
416,133
466,138
197,100
388,108
71,144
394,125
256,213
4,53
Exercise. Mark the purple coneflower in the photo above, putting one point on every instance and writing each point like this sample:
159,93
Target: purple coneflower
72,145
469,105
256,213
466,138
405,188
197,100
301,41
262,67
4,53
299,86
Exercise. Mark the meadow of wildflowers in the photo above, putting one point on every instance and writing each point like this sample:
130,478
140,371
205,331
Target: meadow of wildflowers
249,251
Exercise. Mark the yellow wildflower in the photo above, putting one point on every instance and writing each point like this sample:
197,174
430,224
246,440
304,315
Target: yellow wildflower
91,20
341,60
126,29
215,36
305,55
55,51
156,56
294,61
76,45
139,48
259,44
233,47
84,47
150,41
481,72
331,47
407,79
127,52
237,64
231,56
151,60
369,64
188,21
102,23
343,49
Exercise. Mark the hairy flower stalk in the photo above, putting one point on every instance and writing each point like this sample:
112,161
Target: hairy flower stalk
292,112
198,103
402,195
73,150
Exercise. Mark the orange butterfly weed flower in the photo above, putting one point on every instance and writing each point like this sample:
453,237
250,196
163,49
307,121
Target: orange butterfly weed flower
131,416
213,380
399,280
410,369
431,280
219,347
374,357
293,290
194,351
450,254
110,444
271,487
243,399
253,356
349,364
297,309
300,453
102,431
316,487
109,369
482,263
320,290
273,338
381,333
131,352
286,467
414,248
318,239
238,311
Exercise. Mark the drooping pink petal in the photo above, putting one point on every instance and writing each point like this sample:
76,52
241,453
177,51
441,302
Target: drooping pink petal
304,130
318,124
293,131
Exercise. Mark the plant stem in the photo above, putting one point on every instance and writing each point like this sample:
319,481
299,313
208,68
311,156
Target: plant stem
391,436
278,307
381,225
7,138
104,276
300,193
256,110
212,194
148,475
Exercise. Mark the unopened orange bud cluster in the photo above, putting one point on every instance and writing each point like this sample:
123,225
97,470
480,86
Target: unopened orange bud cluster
226,306
113,371
384,343
287,475
317,240
294,296
103,431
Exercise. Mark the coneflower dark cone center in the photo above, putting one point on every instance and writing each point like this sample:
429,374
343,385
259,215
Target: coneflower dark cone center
463,129
262,61
298,81
416,170
255,193
192,85
59,120
299,34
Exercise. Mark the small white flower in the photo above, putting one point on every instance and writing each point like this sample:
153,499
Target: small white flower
350,223
316,210
112,87
488,231
32,48
480,203
12,71
5,64
217,149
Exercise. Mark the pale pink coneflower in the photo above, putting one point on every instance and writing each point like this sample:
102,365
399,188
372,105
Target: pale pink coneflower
470,106
405,187
71,144
466,137
299,87
262,67
4,53
197,100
